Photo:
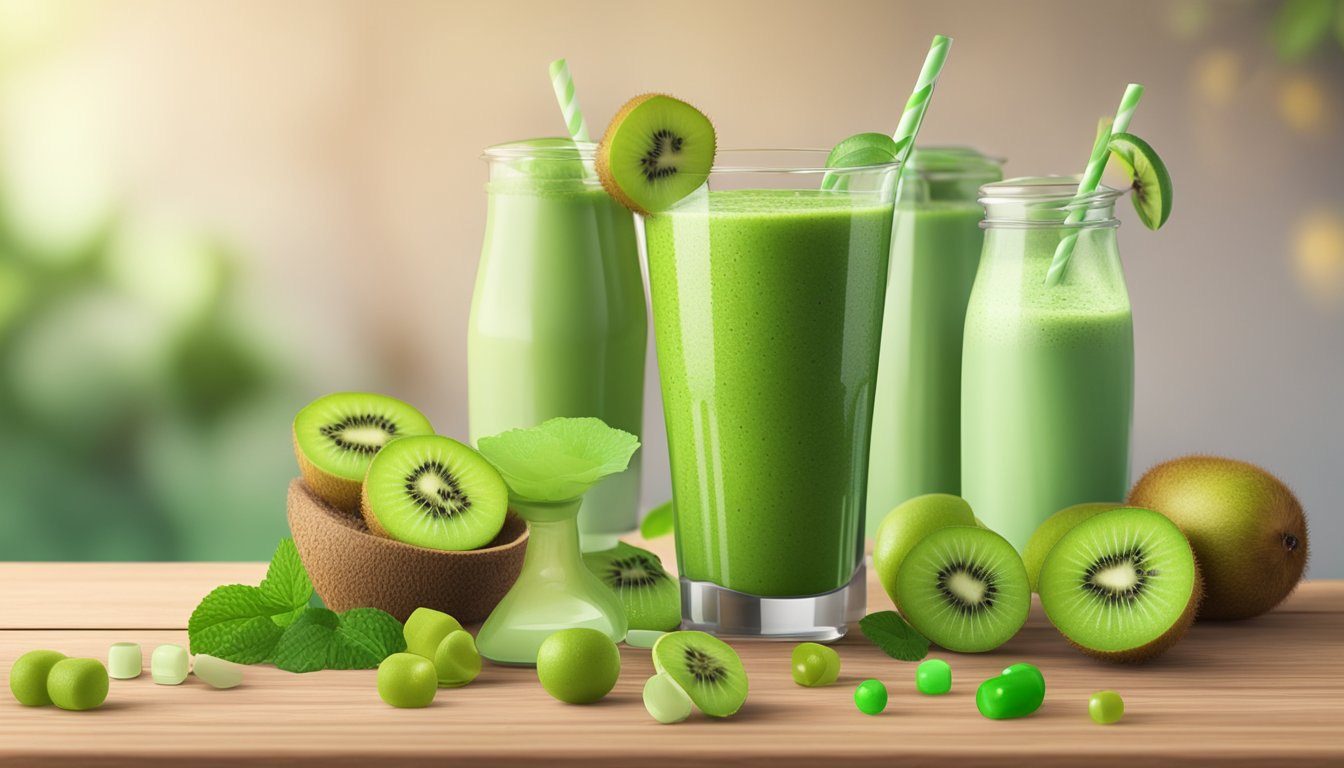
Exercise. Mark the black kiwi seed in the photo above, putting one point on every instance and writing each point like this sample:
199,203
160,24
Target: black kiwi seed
703,667
336,432
637,571
662,139
1135,559
448,500
975,571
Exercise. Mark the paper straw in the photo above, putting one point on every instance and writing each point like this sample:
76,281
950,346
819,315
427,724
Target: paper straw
918,103
1091,178
569,101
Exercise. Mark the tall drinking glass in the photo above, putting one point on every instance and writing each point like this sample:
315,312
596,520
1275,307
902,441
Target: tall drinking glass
558,323
1048,371
767,308
935,248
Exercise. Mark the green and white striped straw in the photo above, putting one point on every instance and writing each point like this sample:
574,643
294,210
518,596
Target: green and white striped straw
569,101
918,103
1091,178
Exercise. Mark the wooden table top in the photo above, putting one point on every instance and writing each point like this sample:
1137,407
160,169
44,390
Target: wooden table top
1259,692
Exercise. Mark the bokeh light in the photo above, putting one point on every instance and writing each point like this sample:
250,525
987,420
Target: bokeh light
1218,75
1318,253
1302,104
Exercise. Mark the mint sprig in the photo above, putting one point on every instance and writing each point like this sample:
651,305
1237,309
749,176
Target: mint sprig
888,631
272,622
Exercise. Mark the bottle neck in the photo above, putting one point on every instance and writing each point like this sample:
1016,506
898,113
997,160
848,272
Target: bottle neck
1047,202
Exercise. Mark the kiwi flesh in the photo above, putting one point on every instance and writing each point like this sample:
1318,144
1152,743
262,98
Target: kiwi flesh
964,588
337,435
652,598
1122,585
1050,531
1246,527
707,668
434,492
656,151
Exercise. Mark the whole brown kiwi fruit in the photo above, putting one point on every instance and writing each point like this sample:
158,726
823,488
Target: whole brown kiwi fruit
1247,529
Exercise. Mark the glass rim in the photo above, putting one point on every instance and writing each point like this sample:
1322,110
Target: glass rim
1046,189
568,149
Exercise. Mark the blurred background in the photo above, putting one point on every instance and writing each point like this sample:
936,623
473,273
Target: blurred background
212,212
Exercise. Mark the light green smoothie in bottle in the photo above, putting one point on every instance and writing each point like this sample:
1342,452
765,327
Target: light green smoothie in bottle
935,248
1048,371
558,322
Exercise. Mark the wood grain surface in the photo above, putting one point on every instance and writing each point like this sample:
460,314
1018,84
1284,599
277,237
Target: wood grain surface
1262,692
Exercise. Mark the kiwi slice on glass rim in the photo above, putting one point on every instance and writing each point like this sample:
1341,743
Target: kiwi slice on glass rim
1122,585
337,435
964,588
706,668
656,151
434,492
1151,182
652,598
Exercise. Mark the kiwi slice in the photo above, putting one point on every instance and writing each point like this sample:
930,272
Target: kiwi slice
1122,585
707,668
337,435
651,597
656,151
964,588
434,492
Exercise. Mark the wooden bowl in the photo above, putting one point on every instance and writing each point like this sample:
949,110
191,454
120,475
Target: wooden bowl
352,568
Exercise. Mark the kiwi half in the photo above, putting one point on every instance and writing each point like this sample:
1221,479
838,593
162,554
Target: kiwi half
434,492
964,588
707,668
1122,585
656,150
337,435
652,598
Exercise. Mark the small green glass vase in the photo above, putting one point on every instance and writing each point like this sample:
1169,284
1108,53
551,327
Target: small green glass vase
554,591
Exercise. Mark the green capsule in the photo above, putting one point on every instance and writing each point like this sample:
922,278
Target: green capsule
1008,696
933,677
1106,707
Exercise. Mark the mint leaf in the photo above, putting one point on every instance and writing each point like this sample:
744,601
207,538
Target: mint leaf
303,646
234,622
287,582
243,624
319,639
366,636
888,631
659,521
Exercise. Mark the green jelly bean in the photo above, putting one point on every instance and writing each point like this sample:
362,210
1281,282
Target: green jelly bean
78,684
1009,696
1030,670
870,697
28,677
815,664
934,677
1106,707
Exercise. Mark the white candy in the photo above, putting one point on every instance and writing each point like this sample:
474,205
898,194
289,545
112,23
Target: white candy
642,638
124,661
169,664
216,671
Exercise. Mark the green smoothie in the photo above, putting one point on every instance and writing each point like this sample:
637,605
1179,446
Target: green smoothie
935,247
767,307
558,324
1047,376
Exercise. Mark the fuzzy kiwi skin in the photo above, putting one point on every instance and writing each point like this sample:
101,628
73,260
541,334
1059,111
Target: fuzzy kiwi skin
1246,527
339,492
1159,645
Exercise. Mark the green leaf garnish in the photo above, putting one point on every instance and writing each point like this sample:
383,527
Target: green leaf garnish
559,459
320,639
273,622
888,631
658,522
859,150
